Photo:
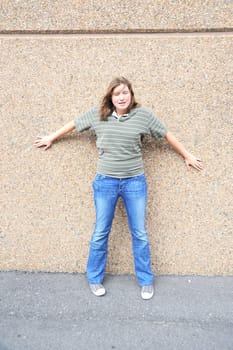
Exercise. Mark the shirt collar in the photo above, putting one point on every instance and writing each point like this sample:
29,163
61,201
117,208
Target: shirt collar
114,114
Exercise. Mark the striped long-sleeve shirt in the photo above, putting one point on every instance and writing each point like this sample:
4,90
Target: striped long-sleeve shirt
119,139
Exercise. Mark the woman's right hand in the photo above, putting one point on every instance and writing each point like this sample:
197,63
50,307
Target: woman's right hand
44,141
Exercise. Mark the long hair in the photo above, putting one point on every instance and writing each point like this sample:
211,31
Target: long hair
106,106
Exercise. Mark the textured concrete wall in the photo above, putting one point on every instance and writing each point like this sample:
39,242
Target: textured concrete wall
47,212
116,15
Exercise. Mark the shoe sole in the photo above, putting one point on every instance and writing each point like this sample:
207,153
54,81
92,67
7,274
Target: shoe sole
98,293
147,297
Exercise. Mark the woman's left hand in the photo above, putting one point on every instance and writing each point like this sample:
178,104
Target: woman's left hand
189,159
192,161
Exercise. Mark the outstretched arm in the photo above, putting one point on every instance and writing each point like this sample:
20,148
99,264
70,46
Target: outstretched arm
46,141
189,159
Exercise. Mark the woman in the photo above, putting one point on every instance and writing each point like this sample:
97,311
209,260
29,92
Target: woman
119,124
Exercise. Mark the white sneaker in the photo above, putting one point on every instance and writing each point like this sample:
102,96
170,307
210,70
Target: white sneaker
147,292
97,289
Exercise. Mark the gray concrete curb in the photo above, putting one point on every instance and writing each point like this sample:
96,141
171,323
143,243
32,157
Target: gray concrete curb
45,311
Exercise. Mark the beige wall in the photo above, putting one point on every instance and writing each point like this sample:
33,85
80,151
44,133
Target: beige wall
116,15
47,212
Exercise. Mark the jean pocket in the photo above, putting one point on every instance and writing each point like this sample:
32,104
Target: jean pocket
137,184
105,184
140,178
100,177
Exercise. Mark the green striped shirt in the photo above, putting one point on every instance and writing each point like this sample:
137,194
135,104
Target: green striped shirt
119,139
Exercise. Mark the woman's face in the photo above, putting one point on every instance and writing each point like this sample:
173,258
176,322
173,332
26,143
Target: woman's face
121,98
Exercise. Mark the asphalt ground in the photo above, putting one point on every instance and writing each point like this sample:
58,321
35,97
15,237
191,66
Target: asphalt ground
50,311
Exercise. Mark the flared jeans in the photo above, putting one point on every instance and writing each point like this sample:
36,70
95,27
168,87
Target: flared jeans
133,191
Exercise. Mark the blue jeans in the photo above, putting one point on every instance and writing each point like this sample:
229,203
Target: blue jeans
133,191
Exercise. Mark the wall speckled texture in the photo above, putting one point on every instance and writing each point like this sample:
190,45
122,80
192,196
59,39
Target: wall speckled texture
47,211
116,15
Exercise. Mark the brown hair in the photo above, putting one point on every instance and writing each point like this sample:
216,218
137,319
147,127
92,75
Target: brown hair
106,106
